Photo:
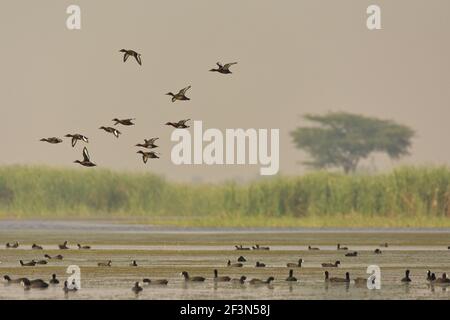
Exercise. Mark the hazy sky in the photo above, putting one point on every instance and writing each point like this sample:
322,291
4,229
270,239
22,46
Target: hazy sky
294,57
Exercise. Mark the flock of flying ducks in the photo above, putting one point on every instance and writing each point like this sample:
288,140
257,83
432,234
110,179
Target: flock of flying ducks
137,288
148,143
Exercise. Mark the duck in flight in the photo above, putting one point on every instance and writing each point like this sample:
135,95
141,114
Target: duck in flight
86,162
75,137
124,122
224,69
127,53
114,131
52,140
148,155
181,95
179,125
148,143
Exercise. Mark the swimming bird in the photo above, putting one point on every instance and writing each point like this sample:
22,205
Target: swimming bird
105,264
192,279
240,280
258,247
241,259
41,262
75,137
12,245
377,251
137,288
259,264
346,279
331,265
83,247
181,95
295,265
428,275
352,254
341,248
86,162
52,140
161,282
112,130
443,280
127,53
220,279
32,263
148,143
35,284
9,280
58,257
179,125
259,281
327,276
63,246
66,288
240,247
124,122
148,155
237,265
133,264
291,276
224,69
53,280
406,278
36,247
312,248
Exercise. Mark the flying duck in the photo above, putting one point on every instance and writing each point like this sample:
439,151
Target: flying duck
220,279
105,264
53,280
148,155
259,264
133,264
9,280
181,95
112,130
63,246
32,263
35,284
83,247
258,247
75,137
295,265
259,281
36,247
352,254
124,122
240,247
240,280
224,69
162,282
148,143
137,288
179,125
58,257
341,248
66,288
406,278
237,265
13,245
52,140
192,279
86,162
241,259
312,248
127,53
291,276
331,265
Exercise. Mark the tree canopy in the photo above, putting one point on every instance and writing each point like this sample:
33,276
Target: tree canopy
342,139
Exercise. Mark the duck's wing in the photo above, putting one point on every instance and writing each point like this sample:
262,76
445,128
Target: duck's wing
125,56
86,156
74,141
183,91
228,65
144,157
219,65
116,133
138,59
151,141
183,122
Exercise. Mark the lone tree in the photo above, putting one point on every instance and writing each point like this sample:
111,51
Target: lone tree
343,139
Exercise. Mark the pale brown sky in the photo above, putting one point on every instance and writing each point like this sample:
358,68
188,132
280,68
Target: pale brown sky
294,57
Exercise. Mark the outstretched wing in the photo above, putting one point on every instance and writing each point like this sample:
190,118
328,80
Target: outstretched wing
183,122
228,65
116,133
151,141
74,141
183,91
86,156
138,59
125,56
219,64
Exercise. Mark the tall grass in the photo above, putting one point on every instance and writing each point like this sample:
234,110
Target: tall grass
41,192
